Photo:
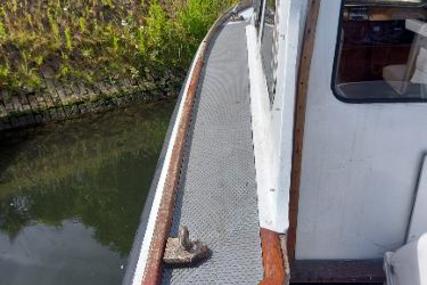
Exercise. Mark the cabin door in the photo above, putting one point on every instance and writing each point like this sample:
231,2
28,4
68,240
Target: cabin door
365,133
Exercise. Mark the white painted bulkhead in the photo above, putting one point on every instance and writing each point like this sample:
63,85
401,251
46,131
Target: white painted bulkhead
360,164
272,124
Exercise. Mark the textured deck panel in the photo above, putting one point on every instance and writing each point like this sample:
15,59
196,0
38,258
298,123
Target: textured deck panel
217,197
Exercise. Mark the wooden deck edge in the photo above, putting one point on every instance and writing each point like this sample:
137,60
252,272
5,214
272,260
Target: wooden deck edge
153,270
273,259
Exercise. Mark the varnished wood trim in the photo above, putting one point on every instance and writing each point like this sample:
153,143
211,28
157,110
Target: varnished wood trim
153,269
164,216
272,258
336,271
303,77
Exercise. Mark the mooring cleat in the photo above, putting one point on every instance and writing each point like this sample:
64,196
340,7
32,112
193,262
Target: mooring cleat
181,251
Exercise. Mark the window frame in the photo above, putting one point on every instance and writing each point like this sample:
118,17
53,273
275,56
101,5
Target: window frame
334,87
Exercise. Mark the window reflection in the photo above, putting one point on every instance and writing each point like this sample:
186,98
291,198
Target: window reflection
382,51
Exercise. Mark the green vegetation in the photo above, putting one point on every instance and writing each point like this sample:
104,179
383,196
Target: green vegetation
100,40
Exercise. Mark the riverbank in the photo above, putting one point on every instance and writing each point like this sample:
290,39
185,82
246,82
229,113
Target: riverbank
61,59
57,102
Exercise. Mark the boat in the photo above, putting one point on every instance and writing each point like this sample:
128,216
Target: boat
296,152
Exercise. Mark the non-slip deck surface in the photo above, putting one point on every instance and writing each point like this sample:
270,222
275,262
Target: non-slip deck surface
217,196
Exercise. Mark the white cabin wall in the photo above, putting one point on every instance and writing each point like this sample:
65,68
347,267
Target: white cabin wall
291,20
360,164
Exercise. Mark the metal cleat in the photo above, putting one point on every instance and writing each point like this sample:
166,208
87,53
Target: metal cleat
182,251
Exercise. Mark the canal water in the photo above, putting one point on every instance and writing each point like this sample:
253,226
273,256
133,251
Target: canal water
71,195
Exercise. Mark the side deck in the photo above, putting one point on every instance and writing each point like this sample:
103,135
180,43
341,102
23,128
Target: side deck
216,197
205,177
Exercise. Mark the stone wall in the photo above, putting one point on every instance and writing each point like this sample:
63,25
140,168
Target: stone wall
57,101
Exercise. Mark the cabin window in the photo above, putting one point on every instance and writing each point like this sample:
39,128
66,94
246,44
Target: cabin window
269,45
382,51
257,4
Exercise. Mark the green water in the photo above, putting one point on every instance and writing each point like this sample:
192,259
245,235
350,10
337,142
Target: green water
71,195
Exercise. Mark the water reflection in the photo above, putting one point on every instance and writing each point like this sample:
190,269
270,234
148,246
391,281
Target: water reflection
58,255
71,195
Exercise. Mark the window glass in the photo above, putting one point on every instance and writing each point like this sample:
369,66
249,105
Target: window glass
269,46
258,12
382,51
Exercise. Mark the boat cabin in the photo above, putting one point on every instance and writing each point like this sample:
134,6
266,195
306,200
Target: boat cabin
297,150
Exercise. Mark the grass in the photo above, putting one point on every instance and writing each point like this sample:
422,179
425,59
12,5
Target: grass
100,40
